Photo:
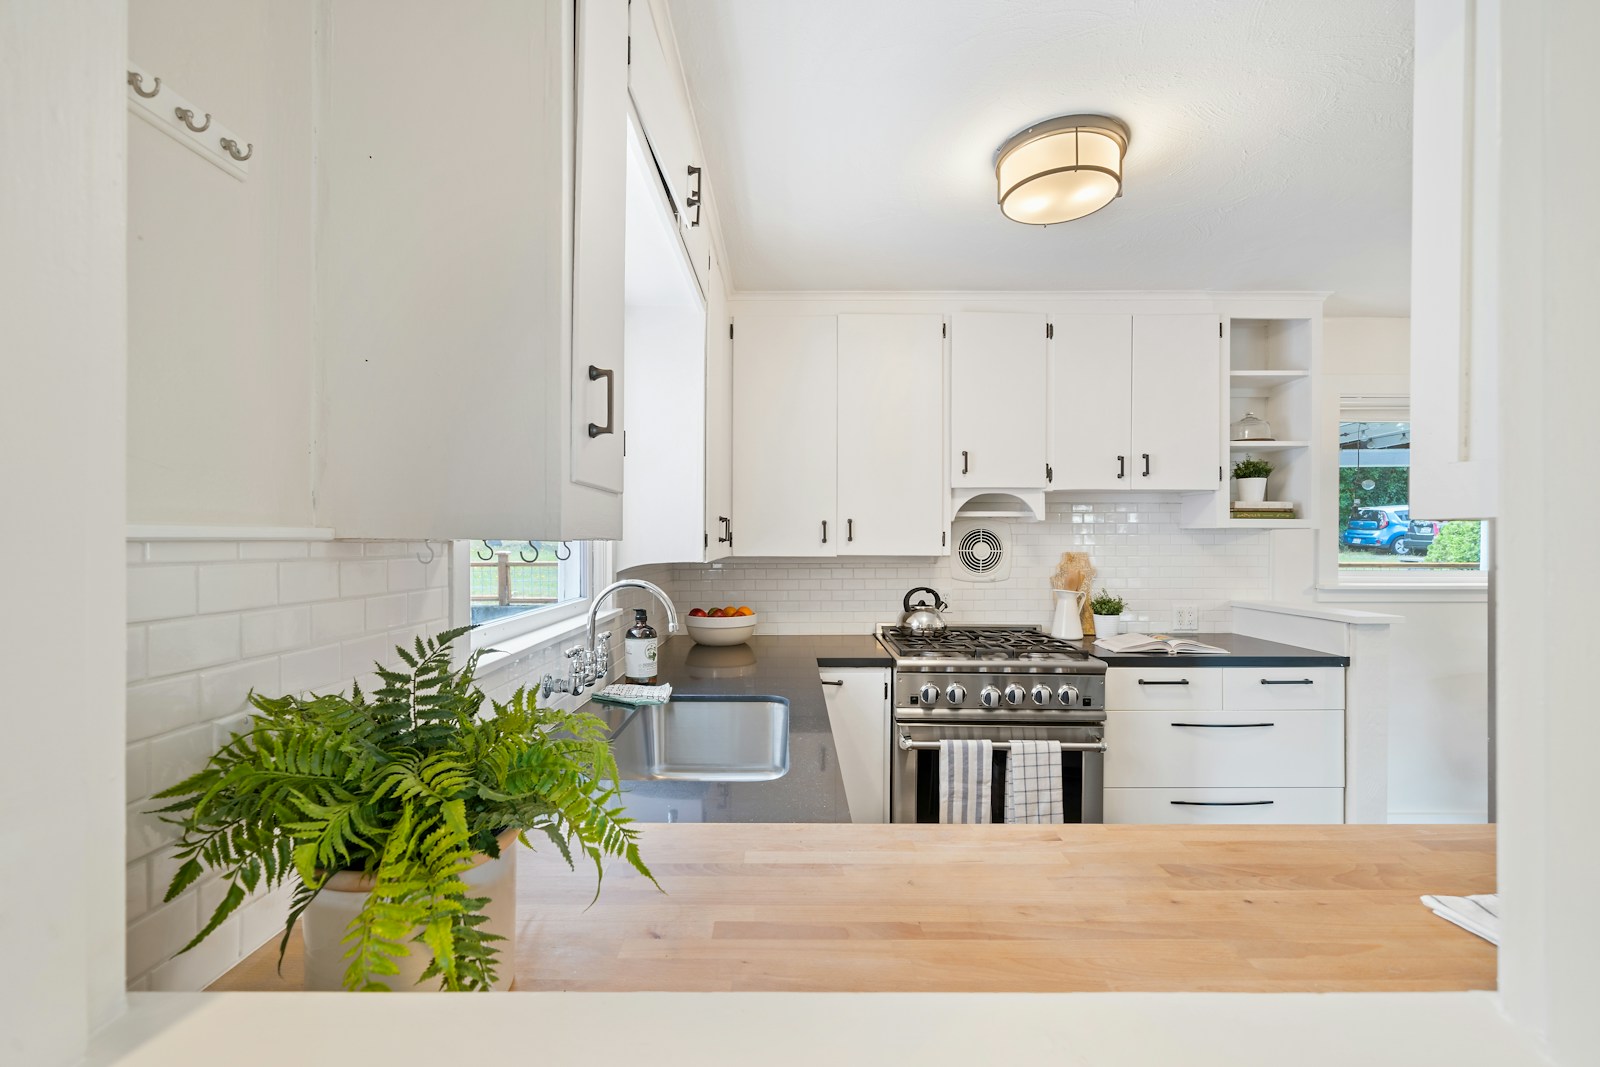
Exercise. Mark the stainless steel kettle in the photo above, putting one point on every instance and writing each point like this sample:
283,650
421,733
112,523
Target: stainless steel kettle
923,618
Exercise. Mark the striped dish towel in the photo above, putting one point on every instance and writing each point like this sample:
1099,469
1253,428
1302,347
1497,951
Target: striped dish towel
1033,782
964,775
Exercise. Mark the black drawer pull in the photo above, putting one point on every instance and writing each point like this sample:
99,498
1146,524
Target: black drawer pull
1225,725
1287,681
1220,803
827,682
1166,681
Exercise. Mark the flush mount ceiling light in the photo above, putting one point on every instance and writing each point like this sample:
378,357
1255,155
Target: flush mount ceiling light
1060,169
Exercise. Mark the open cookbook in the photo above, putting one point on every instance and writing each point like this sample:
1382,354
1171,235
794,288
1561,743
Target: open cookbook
1120,643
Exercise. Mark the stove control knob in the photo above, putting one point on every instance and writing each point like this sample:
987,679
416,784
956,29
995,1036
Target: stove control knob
929,693
1014,694
1041,695
957,695
990,696
1068,695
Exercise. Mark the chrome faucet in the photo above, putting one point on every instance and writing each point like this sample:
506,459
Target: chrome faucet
590,664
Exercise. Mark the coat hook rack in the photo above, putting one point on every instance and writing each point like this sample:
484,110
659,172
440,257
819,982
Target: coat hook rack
177,118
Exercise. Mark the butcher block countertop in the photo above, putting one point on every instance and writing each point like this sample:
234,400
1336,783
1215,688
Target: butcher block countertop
824,907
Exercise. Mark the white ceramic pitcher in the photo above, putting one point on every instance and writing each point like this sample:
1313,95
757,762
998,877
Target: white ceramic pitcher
1067,622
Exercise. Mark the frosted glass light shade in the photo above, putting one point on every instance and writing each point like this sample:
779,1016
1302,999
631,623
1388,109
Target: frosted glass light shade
1060,169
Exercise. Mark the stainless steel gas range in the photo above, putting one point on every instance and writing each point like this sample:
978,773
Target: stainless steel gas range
997,683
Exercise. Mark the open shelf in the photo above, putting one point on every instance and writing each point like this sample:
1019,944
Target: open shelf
1266,446
1263,383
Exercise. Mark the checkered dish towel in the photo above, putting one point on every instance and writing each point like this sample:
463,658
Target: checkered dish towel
1033,782
964,776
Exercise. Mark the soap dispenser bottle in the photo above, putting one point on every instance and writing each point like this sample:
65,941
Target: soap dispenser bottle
639,650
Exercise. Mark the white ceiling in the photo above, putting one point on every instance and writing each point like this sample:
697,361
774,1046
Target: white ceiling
850,143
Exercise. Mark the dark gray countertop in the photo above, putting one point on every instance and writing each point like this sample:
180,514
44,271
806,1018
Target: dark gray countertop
1244,652
783,666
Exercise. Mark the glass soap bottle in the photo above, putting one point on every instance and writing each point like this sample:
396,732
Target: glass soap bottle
639,651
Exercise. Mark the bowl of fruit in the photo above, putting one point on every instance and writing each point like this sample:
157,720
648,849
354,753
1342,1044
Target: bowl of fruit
721,626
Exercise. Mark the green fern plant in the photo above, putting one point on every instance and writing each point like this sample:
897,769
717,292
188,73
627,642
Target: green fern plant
406,785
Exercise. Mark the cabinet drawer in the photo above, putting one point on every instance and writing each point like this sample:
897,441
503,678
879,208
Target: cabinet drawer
1163,688
1282,687
1225,748
1224,805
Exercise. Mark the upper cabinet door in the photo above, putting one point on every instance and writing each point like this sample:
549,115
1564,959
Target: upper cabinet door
1091,401
719,420
998,400
785,435
1177,402
600,178
891,435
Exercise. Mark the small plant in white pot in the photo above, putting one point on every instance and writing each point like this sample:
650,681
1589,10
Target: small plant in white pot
1251,476
394,817
1107,613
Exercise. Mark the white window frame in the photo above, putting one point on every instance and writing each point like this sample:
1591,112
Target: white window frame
1334,584
530,628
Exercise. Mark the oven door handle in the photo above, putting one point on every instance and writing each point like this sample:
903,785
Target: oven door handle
907,745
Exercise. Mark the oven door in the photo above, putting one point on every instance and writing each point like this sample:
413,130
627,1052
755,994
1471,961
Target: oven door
914,770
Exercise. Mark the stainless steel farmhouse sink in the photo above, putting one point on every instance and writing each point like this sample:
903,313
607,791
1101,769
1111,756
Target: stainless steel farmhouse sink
705,739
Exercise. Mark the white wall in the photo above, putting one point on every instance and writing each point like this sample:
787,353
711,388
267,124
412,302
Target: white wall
62,316
220,271
1439,657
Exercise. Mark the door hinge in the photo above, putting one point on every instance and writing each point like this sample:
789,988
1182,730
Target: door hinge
730,331
944,329
1049,330
1049,473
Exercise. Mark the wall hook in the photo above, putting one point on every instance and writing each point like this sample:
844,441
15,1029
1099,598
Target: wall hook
429,546
136,80
480,555
524,555
233,149
188,119
568,546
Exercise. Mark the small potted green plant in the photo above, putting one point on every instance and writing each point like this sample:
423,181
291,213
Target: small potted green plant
394,817
1251,475
1107,610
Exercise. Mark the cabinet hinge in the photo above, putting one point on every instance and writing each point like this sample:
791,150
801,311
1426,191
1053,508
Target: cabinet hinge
1049,330
944,329
1049,473
730,331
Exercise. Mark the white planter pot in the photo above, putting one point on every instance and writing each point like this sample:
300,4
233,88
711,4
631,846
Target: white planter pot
1252,490
1107,625
324,923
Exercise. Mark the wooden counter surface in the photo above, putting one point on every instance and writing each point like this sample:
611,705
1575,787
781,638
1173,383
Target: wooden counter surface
1000,908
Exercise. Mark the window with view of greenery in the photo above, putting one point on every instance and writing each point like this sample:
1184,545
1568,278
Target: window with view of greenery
515,578
1377,533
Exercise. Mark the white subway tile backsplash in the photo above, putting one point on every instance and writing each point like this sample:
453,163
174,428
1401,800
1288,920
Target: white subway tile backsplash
223,691
273,550
335,550
203,964
337,618
138,643
264,632
160,593
363,578
386,612
190,644
159,706
137,759
357,657
426,605
190,551
146,832
405,574
136,890
156,936
313,669
312,580
175,756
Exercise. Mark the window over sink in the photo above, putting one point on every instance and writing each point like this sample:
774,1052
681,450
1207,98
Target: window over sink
517,586
1378,538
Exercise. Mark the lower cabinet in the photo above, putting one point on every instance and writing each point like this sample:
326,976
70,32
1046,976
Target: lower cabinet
858,712
1224,745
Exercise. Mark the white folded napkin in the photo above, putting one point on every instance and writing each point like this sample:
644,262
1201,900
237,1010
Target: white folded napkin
1479,914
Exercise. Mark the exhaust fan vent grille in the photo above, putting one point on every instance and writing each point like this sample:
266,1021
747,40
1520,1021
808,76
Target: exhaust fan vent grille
981,552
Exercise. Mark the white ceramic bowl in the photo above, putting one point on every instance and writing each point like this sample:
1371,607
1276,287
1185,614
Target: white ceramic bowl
708,631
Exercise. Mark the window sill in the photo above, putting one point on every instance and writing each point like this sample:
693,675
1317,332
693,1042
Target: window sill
501,653
1404,592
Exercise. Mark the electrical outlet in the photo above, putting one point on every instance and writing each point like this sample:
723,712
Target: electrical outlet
1186,618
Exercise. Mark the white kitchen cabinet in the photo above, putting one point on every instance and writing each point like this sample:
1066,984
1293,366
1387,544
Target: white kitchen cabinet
858,712
718,536
891,422
785,435
998,402
467,282
1177,381
1224,744
1091,401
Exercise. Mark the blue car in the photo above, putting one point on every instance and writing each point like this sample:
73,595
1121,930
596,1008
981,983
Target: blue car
1388,529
